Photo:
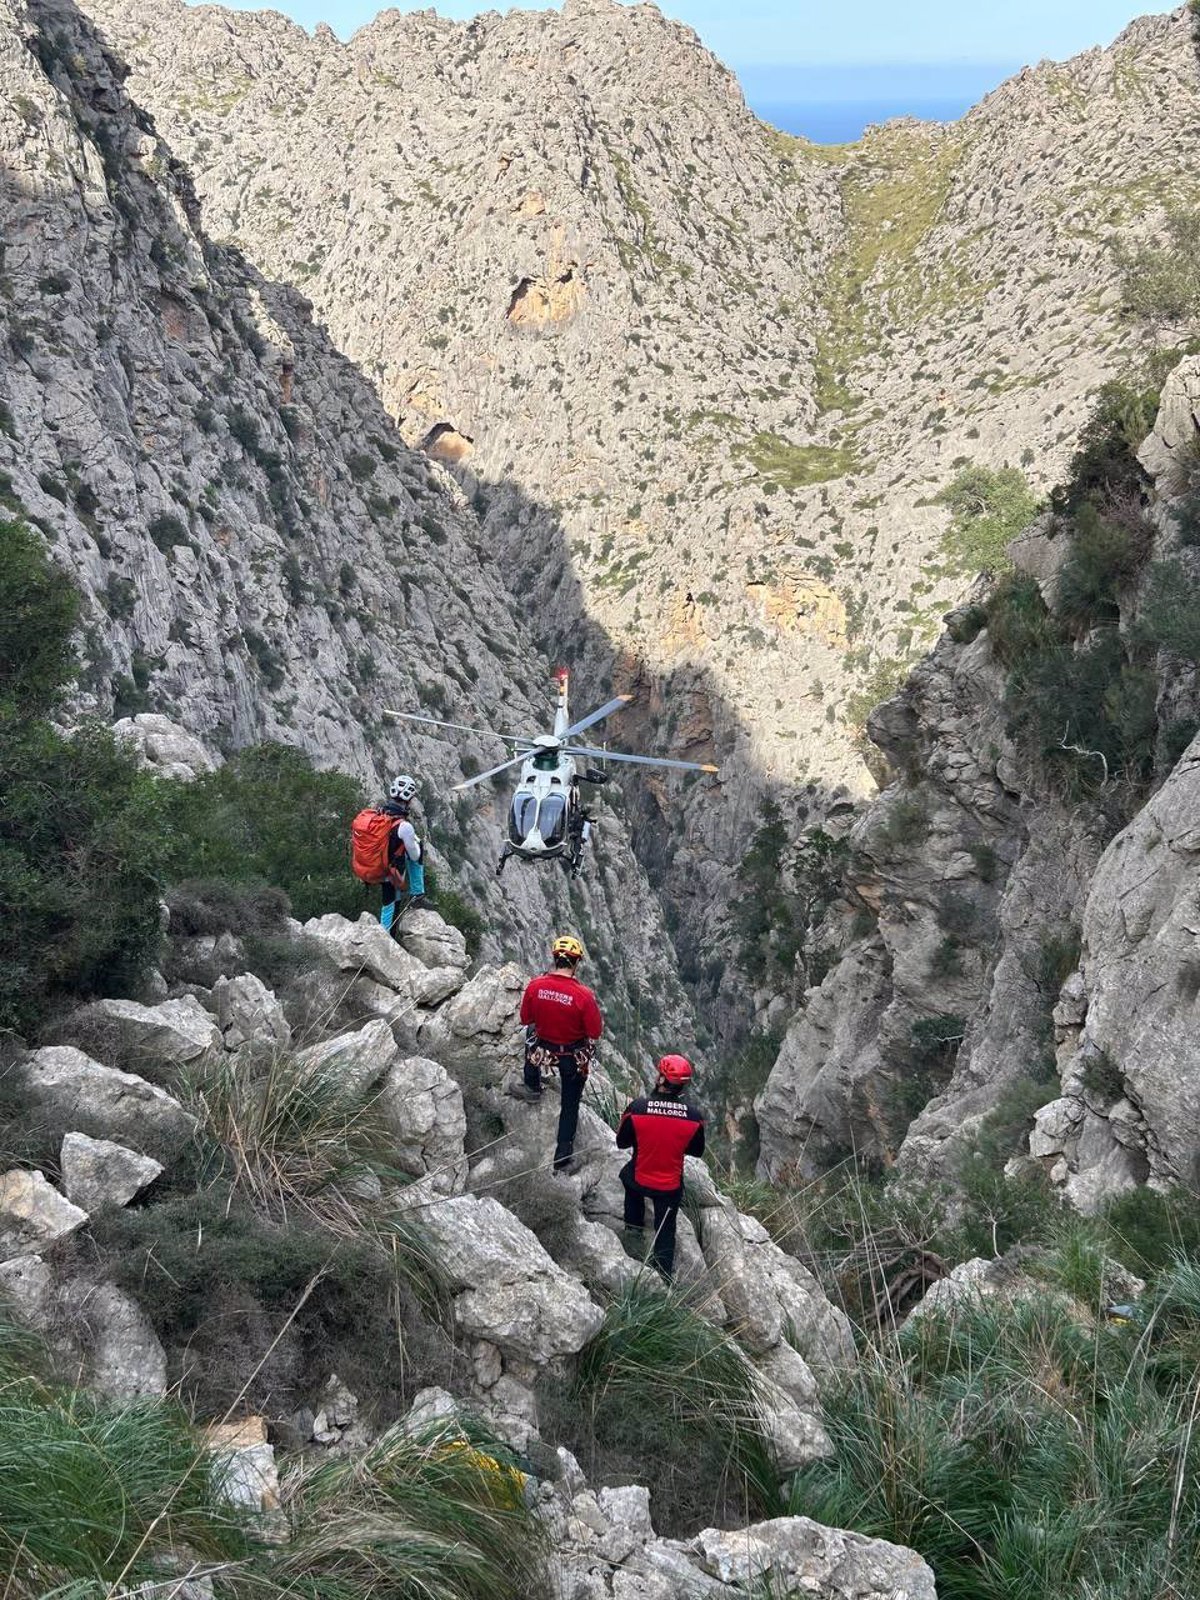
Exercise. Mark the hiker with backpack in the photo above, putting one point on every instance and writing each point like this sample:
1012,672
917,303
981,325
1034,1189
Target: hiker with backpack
384,849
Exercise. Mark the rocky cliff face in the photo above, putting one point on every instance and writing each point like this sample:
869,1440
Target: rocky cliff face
261,554
1005,929
732,369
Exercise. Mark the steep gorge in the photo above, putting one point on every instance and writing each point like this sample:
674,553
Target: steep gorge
702,382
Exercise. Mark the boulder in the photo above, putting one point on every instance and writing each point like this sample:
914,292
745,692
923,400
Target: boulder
248,1013
33,1214
796,1555
506,1288
123,1358
164,748
424,1109
77,1094
93,1328
247,1474
98,1173
766,1291
433,941
364,947
791,1408
479,1027
172,1034
359,1060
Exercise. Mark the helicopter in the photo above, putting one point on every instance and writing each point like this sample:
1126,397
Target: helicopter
547,819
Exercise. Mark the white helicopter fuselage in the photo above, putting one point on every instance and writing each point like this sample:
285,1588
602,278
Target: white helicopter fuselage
544,802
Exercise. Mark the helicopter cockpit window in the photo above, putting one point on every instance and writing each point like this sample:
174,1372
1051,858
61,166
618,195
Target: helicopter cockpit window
552,819
522,816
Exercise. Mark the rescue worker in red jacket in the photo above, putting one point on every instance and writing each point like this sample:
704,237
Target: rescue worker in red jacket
661,1129
563,1023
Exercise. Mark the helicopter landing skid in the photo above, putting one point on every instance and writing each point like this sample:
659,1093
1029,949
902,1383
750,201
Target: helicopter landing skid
504,855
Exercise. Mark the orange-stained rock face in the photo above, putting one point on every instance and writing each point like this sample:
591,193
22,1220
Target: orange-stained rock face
537,301
801,603
444,443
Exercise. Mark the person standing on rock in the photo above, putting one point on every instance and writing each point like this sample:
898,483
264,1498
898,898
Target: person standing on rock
384,849
661,1129
563,1023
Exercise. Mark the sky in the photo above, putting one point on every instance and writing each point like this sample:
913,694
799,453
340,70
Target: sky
930,57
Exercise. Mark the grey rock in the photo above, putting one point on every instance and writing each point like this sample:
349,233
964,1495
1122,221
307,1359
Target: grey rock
433,942
146,1037
165,748
359,1060
124,1359
423,1107
33,1214
506,1288
98,1173
78,1093
478,1028
797,1554
249,1014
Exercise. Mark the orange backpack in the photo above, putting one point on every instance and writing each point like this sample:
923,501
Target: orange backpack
370,845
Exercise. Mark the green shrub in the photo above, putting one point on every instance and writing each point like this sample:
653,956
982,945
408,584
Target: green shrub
268,817
1105,468
1017,619
99,1497
437,1513
1161,282
1101,1076
38,610
84,837
905,823
1170,610
299,1137
200,906
1104,558
885,679
219,1282
988,509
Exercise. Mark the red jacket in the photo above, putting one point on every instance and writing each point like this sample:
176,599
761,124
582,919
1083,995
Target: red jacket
561,1009
661,1129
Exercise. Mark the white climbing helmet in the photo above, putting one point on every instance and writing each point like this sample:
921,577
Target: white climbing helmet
403,788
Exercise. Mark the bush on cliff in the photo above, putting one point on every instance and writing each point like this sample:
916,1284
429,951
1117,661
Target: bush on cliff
82,831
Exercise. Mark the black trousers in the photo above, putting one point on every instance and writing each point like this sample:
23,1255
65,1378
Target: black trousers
666,1212
572,1083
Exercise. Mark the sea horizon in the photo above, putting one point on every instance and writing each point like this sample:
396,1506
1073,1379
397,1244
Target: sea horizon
844,121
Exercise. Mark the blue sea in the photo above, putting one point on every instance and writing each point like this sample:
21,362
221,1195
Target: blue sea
842,121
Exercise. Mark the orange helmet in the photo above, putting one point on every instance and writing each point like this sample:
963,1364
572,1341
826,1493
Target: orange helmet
675,1069
567,945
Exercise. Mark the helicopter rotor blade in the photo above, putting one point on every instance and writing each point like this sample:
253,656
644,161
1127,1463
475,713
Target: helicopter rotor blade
460,727
598,716
482,777
642,761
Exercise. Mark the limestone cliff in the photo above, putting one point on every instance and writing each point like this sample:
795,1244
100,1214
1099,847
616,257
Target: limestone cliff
261,555
702,381
1022,917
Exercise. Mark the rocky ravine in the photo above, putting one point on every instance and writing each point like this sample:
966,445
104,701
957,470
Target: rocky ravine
429,1036
730,369
1047,945
260,553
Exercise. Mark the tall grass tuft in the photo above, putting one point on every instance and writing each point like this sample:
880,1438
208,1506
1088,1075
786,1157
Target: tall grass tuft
661,1393
1028,1451
298,1138
428,1515
94,1494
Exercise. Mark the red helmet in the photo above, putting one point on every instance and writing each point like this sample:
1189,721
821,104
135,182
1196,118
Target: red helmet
675,1069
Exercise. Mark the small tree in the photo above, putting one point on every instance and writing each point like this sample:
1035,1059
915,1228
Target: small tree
988,510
